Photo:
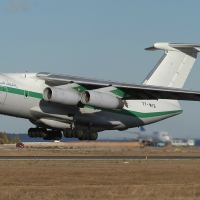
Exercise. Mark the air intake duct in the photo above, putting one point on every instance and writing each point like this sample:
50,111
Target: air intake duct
101,100
62,96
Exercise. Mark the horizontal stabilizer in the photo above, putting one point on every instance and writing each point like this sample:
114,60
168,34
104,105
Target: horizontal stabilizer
174,47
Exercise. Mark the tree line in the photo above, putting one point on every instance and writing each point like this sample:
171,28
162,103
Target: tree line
6,139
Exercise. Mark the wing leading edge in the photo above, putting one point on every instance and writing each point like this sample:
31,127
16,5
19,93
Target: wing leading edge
125,91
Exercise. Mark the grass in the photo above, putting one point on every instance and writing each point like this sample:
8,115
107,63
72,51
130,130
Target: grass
99,180
88,149
140,179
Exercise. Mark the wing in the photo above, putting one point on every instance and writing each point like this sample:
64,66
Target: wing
125,91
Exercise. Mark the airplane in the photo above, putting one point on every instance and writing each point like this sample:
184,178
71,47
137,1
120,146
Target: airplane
152,136
81,107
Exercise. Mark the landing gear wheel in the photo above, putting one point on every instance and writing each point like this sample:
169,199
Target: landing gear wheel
65,133
34,133
79,133
30,132
74,133
93,135
69,133
57,135
37,132
47,136
43,132
84,136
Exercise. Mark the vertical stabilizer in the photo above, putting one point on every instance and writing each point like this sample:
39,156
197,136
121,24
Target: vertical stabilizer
142,128
175,65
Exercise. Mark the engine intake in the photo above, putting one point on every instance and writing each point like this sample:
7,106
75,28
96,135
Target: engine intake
101,100
58,95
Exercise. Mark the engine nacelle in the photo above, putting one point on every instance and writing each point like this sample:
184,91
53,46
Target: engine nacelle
58,95
101,100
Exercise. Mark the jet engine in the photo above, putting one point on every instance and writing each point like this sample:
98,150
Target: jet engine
101,100
58,95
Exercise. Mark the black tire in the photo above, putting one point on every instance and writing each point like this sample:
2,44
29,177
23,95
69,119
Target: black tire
69,133
65,133
74,133
43,132
48,136
34,135
30,130
45,138
84,136
37,132
93,135
79,133
57,135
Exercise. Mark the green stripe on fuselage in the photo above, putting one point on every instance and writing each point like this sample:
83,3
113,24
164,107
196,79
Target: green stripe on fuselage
22,92
122,112
36,95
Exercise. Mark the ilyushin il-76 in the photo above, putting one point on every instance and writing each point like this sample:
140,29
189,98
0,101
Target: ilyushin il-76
81,107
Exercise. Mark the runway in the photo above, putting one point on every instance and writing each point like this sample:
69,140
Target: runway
97,158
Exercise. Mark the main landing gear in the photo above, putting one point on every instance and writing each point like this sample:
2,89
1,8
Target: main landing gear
80,134
43,133
57,135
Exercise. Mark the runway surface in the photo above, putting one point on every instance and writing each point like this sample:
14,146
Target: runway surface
99,157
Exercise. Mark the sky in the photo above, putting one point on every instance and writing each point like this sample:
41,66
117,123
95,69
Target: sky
98,39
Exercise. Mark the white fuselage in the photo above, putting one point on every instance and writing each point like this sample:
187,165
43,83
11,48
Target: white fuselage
21,95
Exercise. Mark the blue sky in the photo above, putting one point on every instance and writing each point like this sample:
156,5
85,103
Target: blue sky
100,39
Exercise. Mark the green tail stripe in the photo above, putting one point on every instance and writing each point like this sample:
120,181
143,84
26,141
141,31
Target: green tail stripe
152,114
139,114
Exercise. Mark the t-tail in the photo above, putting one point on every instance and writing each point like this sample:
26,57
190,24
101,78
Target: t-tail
171,70
175,65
